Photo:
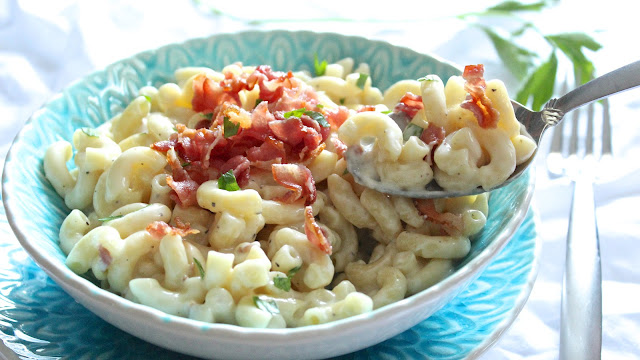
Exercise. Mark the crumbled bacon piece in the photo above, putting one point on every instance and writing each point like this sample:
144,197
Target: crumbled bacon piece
477,102
208,94
451,223
339,145
298,179
409,104
336,117
264,137
105,256
314,232
159,229
433,135
183,186
365,108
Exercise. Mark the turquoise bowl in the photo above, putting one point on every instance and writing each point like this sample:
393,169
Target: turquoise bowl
35,212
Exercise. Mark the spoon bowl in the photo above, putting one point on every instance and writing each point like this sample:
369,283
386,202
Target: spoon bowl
534,124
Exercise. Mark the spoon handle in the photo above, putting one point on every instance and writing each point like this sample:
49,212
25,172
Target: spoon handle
624,78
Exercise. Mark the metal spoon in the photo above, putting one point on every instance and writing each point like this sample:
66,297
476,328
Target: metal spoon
534,123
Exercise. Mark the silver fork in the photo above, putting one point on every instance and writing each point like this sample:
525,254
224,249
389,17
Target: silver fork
581,309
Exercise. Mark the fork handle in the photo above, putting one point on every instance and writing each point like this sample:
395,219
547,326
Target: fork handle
581,311
624,78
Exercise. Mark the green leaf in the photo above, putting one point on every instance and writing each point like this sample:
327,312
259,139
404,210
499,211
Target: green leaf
282,283
517,59
320,67
185,164
230,128
540,84
573,45
90,132
362,79
147,97
411,130
228,182
266,304
109,218
258,101
200,268
207,116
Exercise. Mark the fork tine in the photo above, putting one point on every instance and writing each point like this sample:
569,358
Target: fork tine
573,140
589,140
606,129
558,130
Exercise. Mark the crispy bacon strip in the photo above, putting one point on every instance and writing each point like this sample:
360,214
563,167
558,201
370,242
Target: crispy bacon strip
159,229
410,104
298,179
451,223
207,94
180,182
314,232
477,102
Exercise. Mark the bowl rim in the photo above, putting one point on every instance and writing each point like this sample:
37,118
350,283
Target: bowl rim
68,280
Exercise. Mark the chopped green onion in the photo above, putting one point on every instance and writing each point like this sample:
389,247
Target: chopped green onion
362,80
318,117
258,101
295,113
320,67
282,283
147,97
312,114
387,112
266,304
230,128
208,116
342,101
109,218
186,164
90,132
199,266
228,182
411,130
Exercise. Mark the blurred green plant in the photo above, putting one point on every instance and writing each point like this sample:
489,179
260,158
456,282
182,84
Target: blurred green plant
537,75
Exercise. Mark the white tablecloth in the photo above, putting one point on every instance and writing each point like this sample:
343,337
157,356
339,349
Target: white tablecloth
44,45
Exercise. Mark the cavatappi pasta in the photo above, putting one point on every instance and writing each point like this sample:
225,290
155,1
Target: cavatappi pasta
224,196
